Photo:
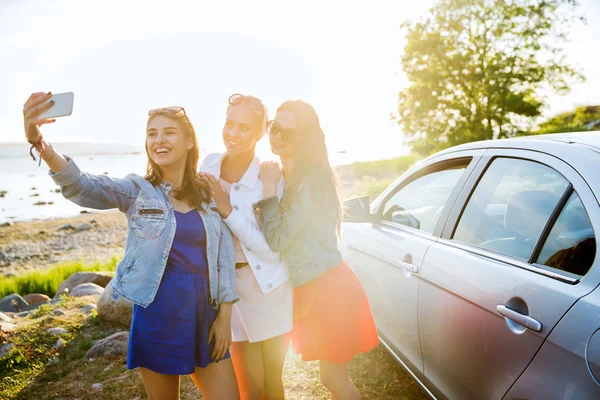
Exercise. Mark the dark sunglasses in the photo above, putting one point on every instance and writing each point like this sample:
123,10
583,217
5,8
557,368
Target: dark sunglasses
251,101
287,135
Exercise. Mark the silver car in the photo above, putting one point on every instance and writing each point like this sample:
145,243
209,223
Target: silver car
480,265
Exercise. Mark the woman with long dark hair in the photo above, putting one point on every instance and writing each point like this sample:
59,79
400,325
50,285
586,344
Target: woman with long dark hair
332,316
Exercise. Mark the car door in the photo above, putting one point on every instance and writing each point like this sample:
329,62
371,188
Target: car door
486,304
387,253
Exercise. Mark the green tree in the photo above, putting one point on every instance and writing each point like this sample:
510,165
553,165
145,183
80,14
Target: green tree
581,119
476,68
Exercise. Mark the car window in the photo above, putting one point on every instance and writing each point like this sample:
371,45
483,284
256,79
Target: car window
510,207
420,203
571,244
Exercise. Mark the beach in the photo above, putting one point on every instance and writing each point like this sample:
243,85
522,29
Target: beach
29,245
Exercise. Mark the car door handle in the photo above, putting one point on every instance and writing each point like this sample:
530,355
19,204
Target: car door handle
525,320
407,264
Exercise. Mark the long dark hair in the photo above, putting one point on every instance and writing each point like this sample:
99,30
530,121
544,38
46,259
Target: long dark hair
193,190
312,159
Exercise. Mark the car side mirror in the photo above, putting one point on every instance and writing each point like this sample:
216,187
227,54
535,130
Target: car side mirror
357,209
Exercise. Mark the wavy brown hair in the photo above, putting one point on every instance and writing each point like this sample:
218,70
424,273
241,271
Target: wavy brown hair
312,159
193,190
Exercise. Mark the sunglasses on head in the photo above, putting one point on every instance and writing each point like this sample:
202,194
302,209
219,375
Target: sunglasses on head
167,110
287,135
251,101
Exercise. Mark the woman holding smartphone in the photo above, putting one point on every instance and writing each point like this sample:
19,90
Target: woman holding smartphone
262,319
178,266
332,316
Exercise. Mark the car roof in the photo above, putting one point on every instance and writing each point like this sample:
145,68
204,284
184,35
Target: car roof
589,139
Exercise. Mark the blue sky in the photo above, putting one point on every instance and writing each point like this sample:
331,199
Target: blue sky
123,58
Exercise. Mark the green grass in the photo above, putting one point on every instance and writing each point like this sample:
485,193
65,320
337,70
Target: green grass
47,281
25,373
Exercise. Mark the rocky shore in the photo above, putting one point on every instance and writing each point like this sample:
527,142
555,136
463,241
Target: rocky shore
89,237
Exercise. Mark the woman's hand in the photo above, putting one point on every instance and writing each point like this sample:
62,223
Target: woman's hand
221,332
270,173
33,107
217,192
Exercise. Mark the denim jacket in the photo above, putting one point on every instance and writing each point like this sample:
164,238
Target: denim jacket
302,230
151,220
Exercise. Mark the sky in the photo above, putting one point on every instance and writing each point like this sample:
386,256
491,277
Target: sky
122,58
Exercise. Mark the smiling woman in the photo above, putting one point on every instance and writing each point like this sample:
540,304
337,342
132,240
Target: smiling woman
178,252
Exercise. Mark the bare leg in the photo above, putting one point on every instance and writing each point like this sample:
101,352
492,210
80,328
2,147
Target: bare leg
336,379
160,386
217,381
274,351
248,363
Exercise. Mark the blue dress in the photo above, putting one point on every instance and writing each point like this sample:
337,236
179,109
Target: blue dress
170,336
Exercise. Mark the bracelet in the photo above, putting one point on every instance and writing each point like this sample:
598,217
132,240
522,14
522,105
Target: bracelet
33,146
52,147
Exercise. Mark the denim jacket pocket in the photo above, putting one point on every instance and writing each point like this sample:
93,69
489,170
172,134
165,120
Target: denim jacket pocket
149,218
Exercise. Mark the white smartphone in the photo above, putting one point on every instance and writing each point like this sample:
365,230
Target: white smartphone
63,106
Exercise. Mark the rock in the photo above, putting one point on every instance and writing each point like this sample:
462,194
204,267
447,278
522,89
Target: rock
60,344
40,203
33,188
5,318
5,349
83,226
105,173
114,308
87,309
112,347
94,222
50,203
99,278
57,331
13,303
59,313
84,212
7,223
23,314
41,232
97,386
3,191
86,289
7,327
4,260
56,190
34,195
54,361
36,298
66,227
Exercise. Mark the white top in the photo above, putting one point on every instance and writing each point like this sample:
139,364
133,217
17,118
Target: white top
240,257
269,270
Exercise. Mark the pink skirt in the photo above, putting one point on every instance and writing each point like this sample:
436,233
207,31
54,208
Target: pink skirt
332,317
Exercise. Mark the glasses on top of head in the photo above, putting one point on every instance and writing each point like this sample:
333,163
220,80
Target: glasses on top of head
167,110
251,101
287,135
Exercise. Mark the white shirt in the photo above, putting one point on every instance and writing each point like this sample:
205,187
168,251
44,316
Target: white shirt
270,271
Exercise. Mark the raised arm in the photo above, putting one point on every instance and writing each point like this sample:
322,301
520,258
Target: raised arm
281,222
87,190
